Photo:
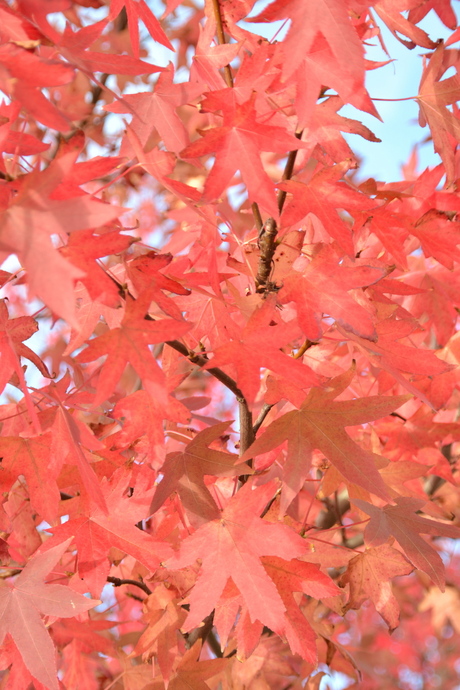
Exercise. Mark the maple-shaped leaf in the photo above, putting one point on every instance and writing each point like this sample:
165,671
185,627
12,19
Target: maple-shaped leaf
130,343
320,66
74,47
392,227
71,442
445,608
96,532
157,110
12,348
323,196
435,94
257,345
191,674
299,576
231,547
33,216
30,457
209,58
89,314
135,10
320,424
82,250
369,574
402,522
394,359
184,472
323,133
21,603
439,237
142,416
328,17
237,145
390,12
438,301
322,288
144,272
164,618
26,74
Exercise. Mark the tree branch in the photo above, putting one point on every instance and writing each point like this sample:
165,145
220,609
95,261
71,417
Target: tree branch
269,231
221,40
202,632
260,419
246,429
201,361
118,581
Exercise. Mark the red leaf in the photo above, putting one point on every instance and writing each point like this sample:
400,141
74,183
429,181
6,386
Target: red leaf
402,522
22,602
130,343
368,575
95,532
184,472
237,144
328,17
135,10
231,547
323,287
320,424
257,345
435,94
298,576
31,457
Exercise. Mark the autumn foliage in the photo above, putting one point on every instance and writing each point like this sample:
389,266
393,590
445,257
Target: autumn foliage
229,362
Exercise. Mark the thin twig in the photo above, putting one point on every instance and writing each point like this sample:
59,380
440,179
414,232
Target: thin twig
200,633
118,581
214,644
269,231
246,430
221,40
302,350
260,419
201,361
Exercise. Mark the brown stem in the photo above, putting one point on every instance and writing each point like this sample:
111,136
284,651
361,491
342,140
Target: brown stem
246,430
433,482
214,644
257,217
201,361
269,231
334,511
260,419
202,632
221,40
302,350
118,581
267,246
